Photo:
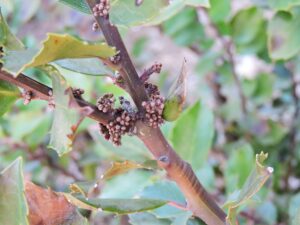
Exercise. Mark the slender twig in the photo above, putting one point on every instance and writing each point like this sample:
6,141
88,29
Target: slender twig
43,92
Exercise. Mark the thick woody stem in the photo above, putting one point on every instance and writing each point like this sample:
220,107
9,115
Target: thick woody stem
198,200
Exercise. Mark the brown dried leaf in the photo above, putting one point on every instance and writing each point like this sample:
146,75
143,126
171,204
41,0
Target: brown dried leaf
48,207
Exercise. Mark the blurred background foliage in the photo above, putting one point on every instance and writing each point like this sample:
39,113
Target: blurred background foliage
243,97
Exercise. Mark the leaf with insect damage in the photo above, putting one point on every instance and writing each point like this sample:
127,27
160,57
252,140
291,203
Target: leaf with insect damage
55,47
118,206
253,184
13,206
176,98
65,117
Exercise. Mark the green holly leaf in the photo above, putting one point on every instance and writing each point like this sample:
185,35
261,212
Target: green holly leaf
147,219
126,13
119,206
175,7
253,184
8,95
55,47
88,66
176,98
13,205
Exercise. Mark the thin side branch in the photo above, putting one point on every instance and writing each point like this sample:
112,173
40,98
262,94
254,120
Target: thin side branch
43,92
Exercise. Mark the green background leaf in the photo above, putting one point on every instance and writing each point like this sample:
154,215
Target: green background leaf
13,205
193,133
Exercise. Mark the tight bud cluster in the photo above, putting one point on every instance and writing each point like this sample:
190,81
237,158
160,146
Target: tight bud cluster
106,103
154,107
102,9
156,68
77,92
123,122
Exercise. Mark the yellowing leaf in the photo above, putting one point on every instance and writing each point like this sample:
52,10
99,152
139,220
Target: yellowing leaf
118,168
55,47
83,187
254,182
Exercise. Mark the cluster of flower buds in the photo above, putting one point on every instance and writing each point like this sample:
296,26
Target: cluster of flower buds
77,92
154,109
27,96
122,124
124,118
156,68
106,103
102,9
